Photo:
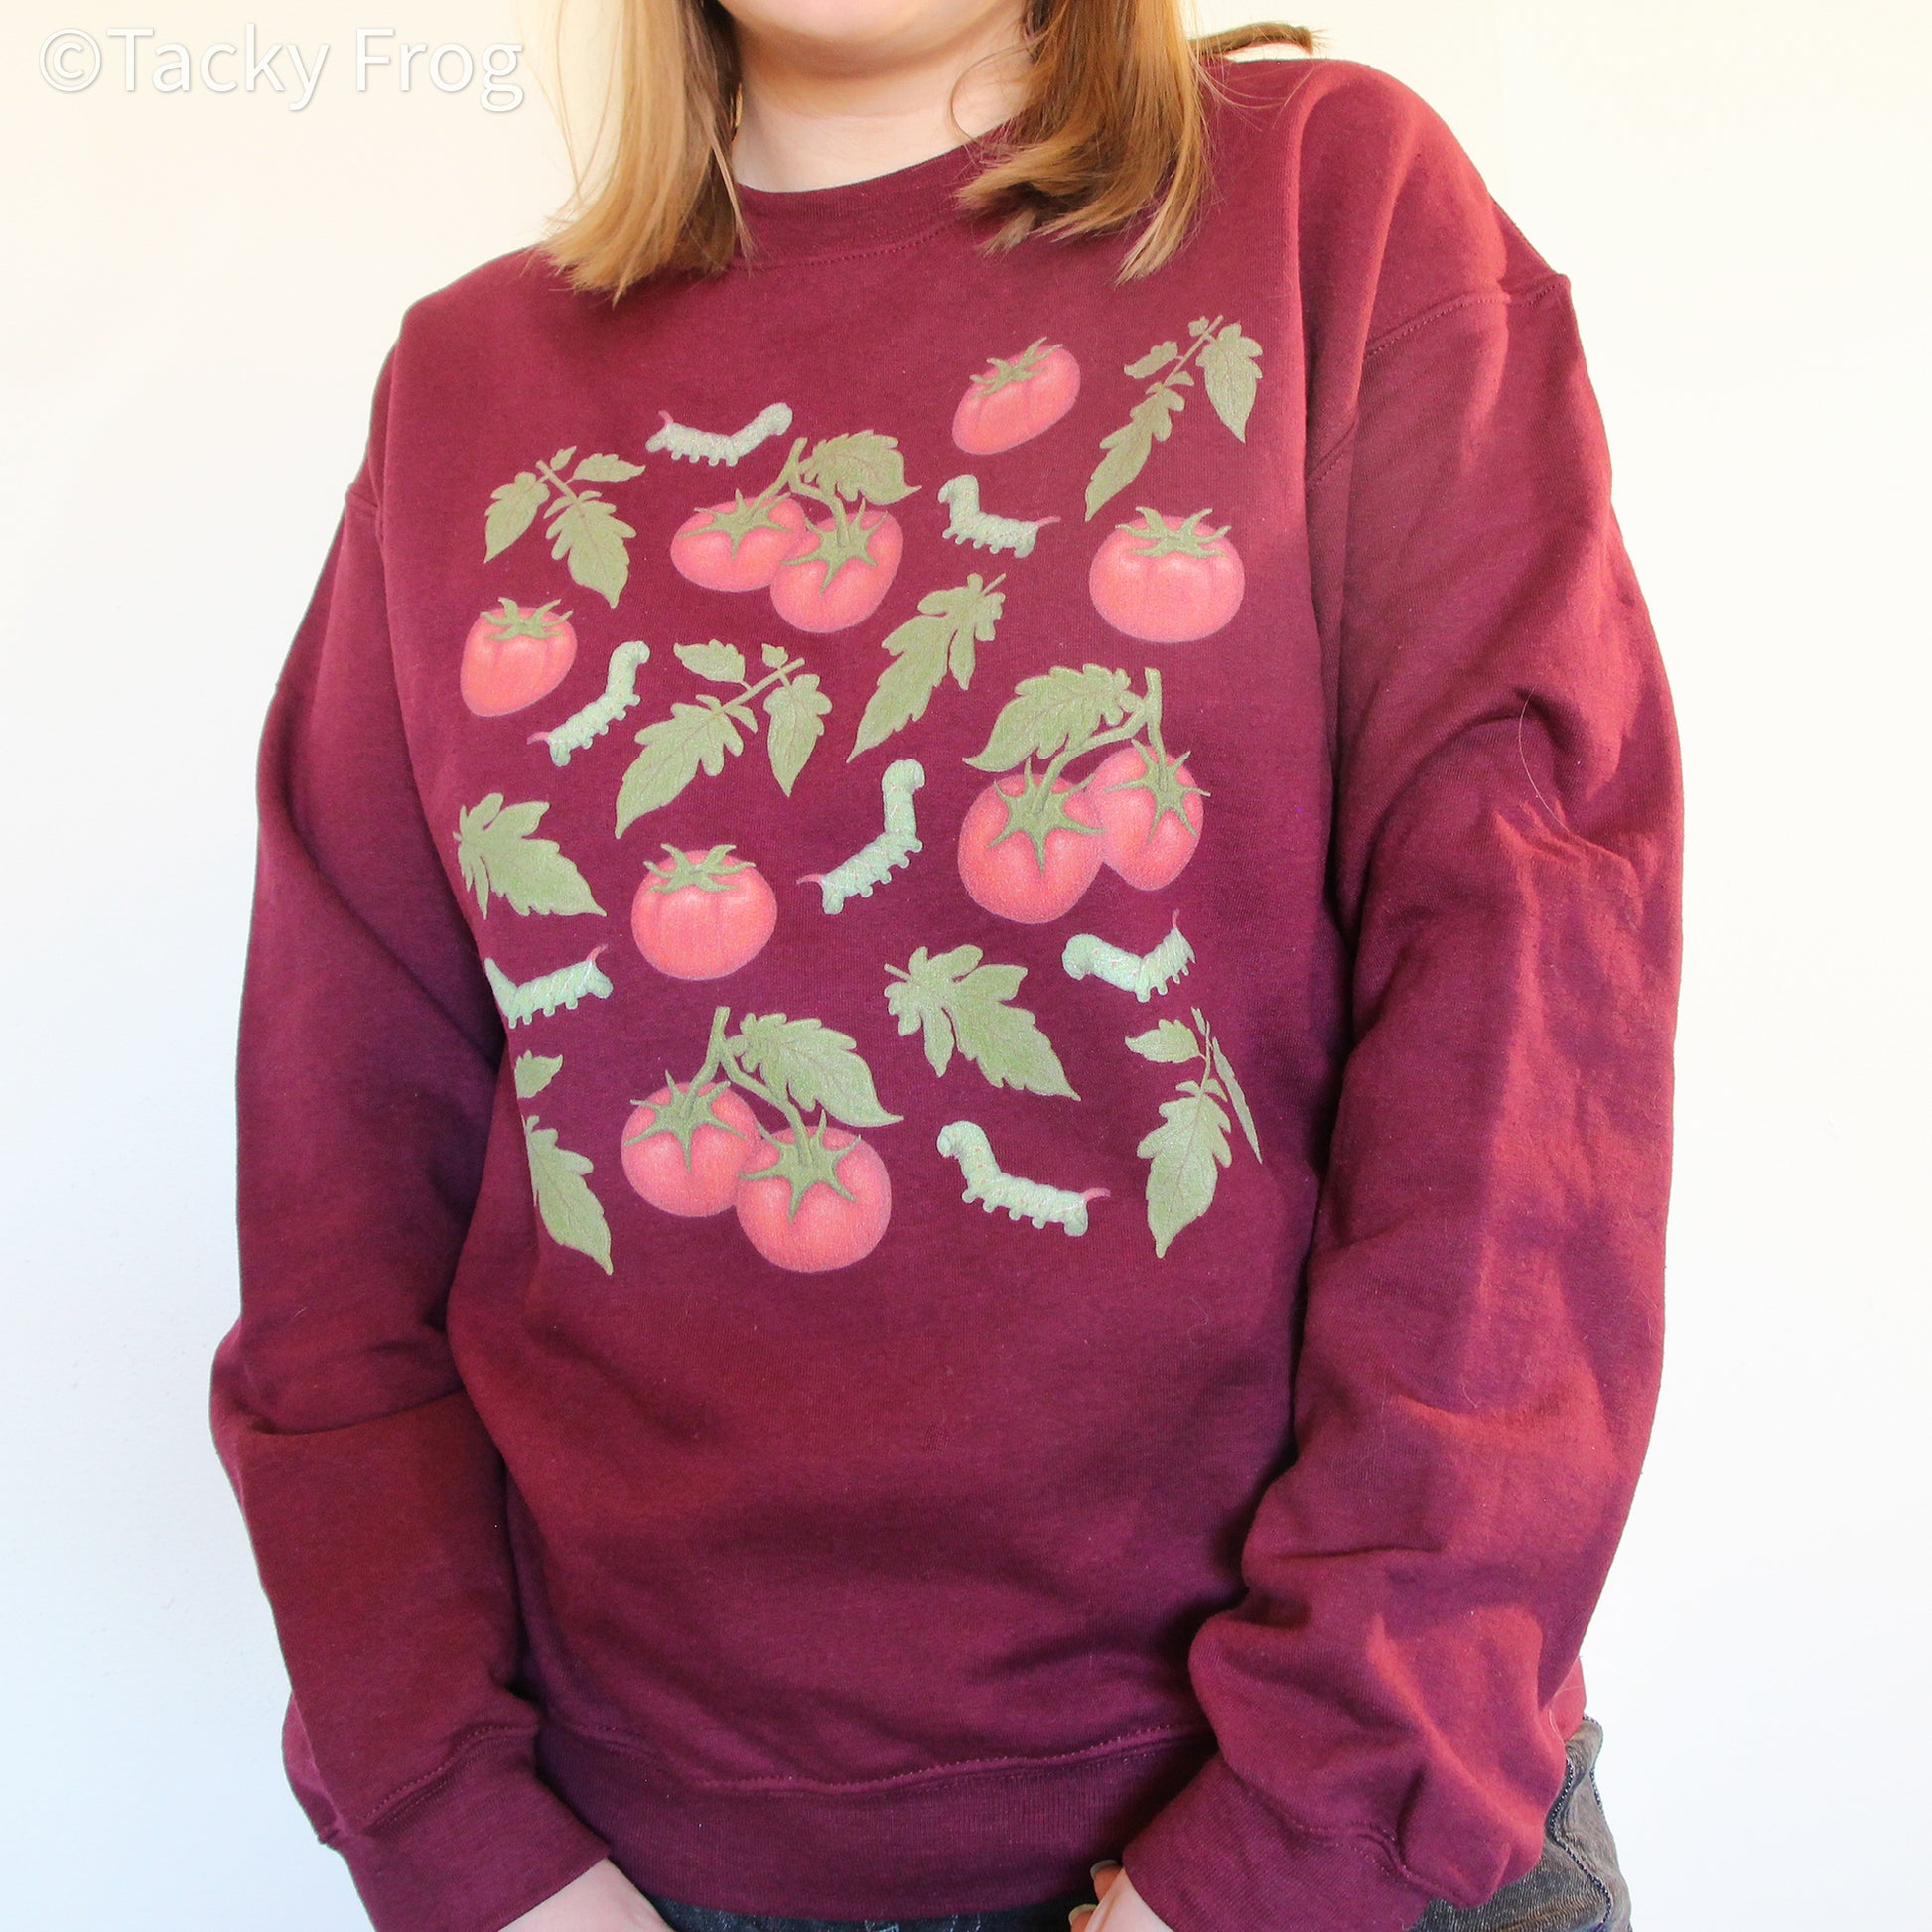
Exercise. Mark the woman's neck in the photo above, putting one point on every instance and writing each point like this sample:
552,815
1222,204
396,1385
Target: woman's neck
817,113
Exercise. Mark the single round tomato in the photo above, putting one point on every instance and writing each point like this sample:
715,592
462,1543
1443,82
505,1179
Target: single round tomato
1167,580
683,1148
698,916
829,583
738,546
1151,816
1026,853
513,656
1012,399
816,1206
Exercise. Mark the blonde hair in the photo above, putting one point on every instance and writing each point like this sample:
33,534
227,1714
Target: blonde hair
1112,126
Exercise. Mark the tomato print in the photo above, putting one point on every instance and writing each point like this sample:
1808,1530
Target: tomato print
1028,850
1151,813
513,656
698,916
816,1204
1167,580
738,546
839,573
1012,400
683,1148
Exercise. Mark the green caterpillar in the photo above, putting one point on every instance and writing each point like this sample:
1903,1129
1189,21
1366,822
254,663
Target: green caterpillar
968,523
1023,1201
1141,973
563,988
873,865
620,694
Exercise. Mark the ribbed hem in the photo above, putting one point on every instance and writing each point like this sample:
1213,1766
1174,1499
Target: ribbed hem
1217,1860
472,1851
920,1847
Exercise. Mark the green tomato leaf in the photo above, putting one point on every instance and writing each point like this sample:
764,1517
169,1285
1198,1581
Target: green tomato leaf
813,1065
533,1072
1228,361
1128,447
589,536
958,1000
1186,1152
1158,357
1064,707
1170,1043
1239,1099
605,468
497,853
512,509
775,656
721,663
797,710
694,735
862,465
564,1203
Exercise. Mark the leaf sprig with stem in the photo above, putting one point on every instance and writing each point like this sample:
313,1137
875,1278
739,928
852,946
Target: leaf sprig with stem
699,736
795,1067
1063,715
1186,1151
585,530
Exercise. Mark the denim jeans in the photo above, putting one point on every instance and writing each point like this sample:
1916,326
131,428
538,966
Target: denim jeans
1576,1887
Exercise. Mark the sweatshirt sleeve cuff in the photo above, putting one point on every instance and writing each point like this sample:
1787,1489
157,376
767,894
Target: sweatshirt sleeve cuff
1217,1859
474,1850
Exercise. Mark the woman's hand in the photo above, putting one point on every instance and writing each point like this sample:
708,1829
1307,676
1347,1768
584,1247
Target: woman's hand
1121,1907
602,1900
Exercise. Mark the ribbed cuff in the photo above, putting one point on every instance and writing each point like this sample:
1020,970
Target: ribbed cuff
1216,1859
472,1851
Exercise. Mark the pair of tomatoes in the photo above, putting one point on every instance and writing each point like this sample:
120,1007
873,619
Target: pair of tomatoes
817,583
513,656
1029,859
697,1151
699,915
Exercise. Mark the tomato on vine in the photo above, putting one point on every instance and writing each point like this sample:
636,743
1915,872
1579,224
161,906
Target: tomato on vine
698,916
1151,814
513,656
738,546
837,574
823,1201
685,1147
1167,580
1028,847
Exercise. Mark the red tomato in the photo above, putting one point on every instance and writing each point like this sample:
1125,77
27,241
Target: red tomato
698,916
1010,401
1167,580
738,546
682,1150
817,589
1151,816
816,1227
1019,857
513,656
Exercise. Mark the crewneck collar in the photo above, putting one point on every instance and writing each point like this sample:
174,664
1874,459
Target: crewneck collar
857,216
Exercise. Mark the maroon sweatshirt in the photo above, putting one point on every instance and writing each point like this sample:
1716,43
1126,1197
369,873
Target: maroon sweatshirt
954,1082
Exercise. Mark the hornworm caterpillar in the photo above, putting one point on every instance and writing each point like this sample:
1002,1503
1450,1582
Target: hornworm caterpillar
980,529
1023,1201
708,446
597,717
1139,974
872,866
563,988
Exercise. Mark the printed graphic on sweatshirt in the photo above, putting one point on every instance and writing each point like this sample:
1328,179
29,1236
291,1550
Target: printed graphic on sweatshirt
873,864
585,530
699,915
1187,1150
809,1196
1021,1200
961,1003
968,522
1087,956
1167,580
1228,359
944,636
1013,399
1031,844
513,656
582,979
499,853
564,1204
709,445
824,572
698,737
584,726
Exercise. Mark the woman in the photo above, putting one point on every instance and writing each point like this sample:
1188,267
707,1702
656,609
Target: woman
955,1073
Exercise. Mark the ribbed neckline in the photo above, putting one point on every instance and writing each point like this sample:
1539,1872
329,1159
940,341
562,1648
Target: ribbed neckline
809,223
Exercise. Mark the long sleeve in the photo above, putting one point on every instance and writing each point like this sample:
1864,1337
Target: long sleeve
1481,1322
369,1059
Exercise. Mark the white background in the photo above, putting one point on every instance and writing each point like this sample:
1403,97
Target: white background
200,292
